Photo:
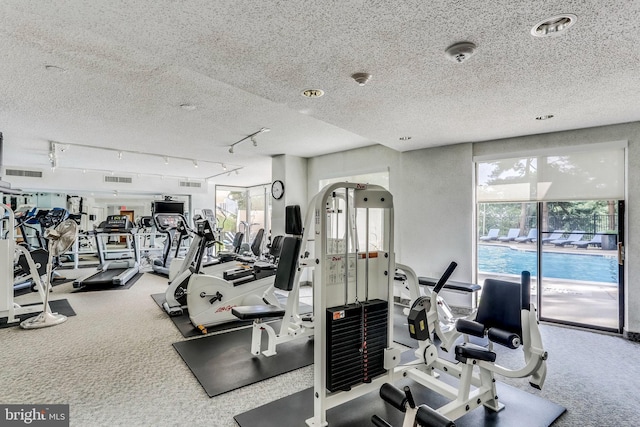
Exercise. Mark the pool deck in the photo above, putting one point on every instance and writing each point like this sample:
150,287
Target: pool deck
580,302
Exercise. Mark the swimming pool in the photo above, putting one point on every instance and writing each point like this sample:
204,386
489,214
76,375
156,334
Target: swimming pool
587,267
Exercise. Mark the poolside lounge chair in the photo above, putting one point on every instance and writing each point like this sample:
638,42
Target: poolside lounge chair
575,236
511,235
557,234
531,237
491,235
596,240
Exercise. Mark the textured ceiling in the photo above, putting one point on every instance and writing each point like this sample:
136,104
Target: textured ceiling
128,65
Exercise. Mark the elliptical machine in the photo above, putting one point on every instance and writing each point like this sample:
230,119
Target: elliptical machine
174,226
182,269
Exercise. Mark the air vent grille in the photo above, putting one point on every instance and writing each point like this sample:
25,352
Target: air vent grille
20,172
190,184
120,179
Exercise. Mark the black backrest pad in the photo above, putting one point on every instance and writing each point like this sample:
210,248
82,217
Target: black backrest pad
257,242
237,241
293,220
500,305
276,246
286,271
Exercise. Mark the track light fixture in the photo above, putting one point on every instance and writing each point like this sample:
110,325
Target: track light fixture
57,147
252,137
53,158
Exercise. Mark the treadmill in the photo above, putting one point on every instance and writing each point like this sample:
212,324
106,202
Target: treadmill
114,272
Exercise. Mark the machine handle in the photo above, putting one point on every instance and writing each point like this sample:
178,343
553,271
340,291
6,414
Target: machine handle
410,401
443,280
379,422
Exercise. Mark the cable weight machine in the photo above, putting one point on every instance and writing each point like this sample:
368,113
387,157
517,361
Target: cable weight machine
353,286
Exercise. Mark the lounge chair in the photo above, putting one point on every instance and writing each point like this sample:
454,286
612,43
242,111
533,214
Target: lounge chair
575,236
596,241
531,237
511,235
491,235
557,234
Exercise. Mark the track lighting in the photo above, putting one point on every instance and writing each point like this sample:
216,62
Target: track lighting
252,137
57,148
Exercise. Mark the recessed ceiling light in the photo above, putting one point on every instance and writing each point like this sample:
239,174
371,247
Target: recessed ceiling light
54,68
313,93
405,138
188,107
545,117
554,26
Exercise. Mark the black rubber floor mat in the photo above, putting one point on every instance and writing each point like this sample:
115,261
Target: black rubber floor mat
60,306
521,409
224,362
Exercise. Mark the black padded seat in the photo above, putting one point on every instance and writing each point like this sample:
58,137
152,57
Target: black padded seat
471,351
252,312
454,286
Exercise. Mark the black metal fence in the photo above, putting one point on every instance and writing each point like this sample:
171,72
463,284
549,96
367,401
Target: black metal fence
590,224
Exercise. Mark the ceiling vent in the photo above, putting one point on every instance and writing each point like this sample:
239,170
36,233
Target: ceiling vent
554,26
22,172
192,184
118,179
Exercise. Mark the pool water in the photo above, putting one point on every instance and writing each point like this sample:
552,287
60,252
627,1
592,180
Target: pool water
587,267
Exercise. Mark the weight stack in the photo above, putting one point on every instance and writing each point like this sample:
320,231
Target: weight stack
356,337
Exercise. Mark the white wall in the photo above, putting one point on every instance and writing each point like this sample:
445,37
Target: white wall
429,232
76,181
292,171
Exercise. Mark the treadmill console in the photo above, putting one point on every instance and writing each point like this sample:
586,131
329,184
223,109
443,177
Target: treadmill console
168,221
205,231
116,224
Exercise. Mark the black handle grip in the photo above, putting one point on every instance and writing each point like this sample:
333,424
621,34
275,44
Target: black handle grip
379,422
443,280
410,401
526,290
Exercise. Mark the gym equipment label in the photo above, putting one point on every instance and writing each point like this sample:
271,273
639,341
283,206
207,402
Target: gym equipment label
34,415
